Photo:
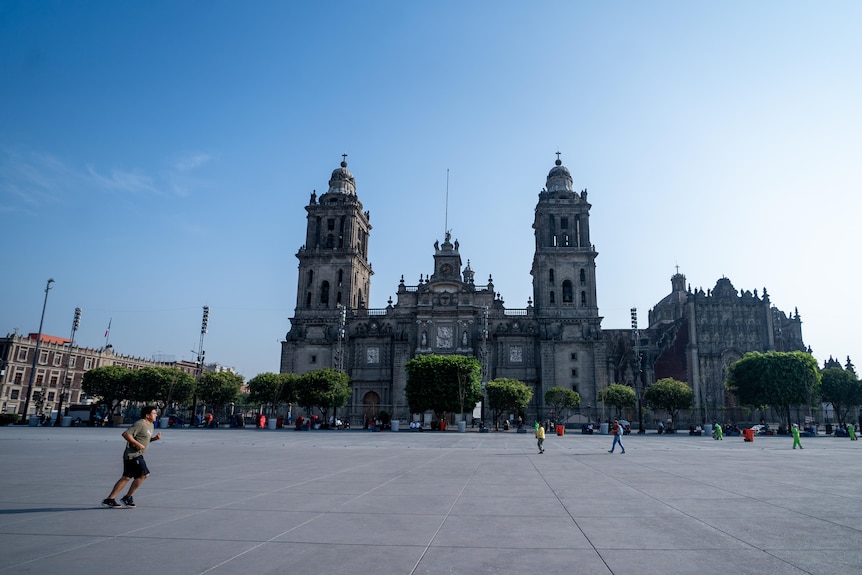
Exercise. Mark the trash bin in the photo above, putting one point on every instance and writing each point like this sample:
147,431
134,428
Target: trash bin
272,423
748,435
603,428
561,430
34,421
462,426
396,425
66,421
163,422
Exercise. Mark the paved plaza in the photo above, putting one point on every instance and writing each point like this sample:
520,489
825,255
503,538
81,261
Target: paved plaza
354,502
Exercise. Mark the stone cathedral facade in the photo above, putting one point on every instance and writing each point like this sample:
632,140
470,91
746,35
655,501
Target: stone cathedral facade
557,340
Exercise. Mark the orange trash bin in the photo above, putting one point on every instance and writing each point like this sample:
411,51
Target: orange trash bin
748,435
561,430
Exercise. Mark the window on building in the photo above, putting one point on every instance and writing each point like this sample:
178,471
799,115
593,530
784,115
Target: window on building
54,380
574,356
310,277
551,276
14,394
88,363
574,372
564,223
567,292
324,293
58,358
583,298
43,357
22,354
330,224
551,297
583,276
338,298
51,396
340,277
308,300
313,359
19,378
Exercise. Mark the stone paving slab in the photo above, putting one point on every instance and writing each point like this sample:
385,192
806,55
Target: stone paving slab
249,501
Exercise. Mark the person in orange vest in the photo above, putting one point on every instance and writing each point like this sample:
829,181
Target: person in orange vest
618,436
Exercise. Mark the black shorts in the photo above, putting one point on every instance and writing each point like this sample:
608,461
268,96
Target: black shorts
135,468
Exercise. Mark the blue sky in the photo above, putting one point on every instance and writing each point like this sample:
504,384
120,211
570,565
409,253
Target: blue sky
156,157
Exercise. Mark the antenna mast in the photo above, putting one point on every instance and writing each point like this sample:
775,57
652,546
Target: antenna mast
446,220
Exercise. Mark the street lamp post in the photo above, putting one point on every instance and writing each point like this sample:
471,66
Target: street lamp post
35,356
76,322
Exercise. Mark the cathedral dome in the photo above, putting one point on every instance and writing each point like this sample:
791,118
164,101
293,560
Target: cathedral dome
342,181
559,178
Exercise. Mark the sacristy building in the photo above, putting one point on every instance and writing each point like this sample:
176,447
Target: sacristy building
557,340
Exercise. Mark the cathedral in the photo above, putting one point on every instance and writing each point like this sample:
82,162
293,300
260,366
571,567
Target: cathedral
557,340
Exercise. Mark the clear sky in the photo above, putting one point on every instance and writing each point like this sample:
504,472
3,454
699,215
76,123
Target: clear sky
156,157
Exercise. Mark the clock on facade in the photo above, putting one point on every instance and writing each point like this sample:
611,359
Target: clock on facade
446,269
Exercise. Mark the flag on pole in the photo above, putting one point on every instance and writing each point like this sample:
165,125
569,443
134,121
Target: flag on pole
107,331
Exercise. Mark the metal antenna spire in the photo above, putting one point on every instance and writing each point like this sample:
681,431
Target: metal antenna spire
446,220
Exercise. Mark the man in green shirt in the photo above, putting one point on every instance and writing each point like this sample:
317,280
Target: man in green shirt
138,438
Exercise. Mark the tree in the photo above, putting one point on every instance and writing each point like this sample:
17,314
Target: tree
618,395
109,383
670,395
560,398
219,389
161,386
776,379
271,389
840,388
443,384
508,395
324,389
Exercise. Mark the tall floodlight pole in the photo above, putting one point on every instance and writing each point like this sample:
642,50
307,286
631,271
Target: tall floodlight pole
200,361
35,356
76,322
339,352
485,365
638,382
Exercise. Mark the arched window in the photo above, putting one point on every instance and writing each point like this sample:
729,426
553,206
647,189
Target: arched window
583,277
308,300
341,277
583,298
567,292
324,293
338,298
552,296
551,276
310,277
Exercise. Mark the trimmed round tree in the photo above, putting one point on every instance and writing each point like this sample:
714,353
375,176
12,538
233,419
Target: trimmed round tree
443,384
670,395
508,395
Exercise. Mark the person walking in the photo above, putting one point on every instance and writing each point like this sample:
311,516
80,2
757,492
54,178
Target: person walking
540,438
618,437
851,431
719,433
795,431
138,438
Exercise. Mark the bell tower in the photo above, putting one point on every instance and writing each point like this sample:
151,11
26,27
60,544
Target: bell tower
334,274
571,347
564,263
333,263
